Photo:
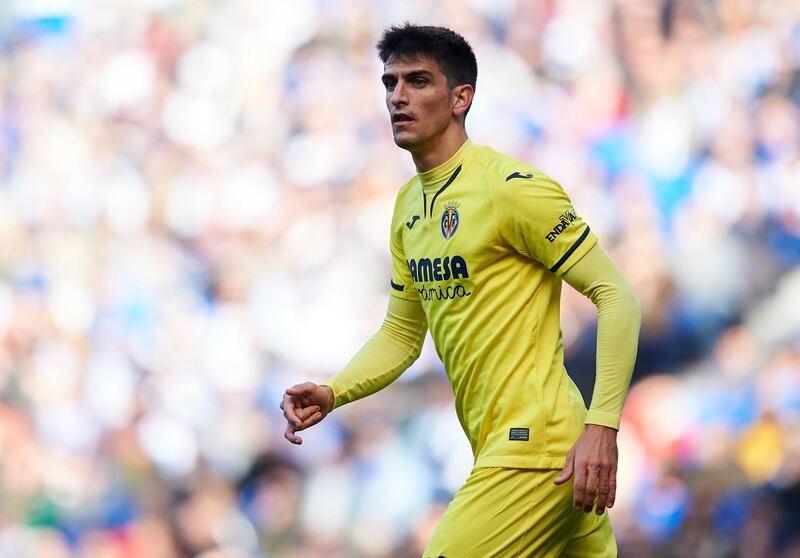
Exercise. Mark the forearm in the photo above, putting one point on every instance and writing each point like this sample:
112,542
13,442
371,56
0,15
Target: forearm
619,318
618,321
385,356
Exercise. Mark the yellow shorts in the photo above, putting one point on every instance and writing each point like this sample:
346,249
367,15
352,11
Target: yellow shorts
519,513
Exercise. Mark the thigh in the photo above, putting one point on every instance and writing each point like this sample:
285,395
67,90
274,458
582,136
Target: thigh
507,513
594,537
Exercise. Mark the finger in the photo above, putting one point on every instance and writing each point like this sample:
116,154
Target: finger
291,436
305,415
603,490
579,488
612,487
289,410
301,389
566,472
592,474
305,412
310,421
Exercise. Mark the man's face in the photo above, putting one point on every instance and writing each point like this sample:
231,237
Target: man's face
419,101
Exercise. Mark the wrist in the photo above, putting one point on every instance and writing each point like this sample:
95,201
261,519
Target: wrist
603,418
600,428
329,398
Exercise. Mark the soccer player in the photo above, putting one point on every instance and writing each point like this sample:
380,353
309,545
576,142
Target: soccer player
480,244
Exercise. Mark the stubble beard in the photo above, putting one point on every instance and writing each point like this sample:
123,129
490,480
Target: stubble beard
404,143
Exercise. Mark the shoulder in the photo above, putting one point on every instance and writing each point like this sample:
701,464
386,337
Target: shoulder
407,197
511,181
501,168
407,187
407,193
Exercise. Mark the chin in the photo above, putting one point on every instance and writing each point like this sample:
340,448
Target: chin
405,141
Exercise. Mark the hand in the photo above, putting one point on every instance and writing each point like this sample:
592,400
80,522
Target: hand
593,459
305,405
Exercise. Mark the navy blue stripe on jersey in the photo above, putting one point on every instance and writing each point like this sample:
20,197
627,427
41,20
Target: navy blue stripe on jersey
424,205
446,184
395,286
574,247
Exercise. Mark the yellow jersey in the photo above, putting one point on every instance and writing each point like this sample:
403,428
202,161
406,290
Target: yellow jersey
481,241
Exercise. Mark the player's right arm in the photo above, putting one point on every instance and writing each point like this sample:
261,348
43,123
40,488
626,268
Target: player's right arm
385,356
381,360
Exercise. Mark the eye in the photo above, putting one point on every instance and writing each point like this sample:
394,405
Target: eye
419,82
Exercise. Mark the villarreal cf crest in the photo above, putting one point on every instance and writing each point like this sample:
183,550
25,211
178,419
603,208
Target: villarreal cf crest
450,219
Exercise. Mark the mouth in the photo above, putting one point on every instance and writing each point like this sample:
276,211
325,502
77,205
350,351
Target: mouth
401,119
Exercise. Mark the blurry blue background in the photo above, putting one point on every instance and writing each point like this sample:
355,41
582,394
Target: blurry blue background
194,209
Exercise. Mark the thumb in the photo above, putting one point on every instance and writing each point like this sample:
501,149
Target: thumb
566,472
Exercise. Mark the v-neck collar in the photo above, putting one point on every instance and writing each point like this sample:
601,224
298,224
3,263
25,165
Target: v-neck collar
436,180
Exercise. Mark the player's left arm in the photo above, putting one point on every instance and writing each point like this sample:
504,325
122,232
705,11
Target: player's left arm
593,458
537,219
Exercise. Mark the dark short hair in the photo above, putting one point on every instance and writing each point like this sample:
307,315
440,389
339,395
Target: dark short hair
449,49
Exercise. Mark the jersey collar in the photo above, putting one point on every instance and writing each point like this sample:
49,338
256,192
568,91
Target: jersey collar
435,178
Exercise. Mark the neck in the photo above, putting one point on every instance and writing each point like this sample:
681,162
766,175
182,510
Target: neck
440,151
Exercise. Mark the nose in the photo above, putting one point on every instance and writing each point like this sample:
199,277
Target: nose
398,96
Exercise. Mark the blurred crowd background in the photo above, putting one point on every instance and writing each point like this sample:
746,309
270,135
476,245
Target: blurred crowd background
194,208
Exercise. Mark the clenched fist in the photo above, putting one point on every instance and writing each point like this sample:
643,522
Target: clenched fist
305,405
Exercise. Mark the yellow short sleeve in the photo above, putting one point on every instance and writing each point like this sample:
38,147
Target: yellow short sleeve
536,218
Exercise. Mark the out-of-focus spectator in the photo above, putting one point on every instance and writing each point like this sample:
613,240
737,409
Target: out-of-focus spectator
195,196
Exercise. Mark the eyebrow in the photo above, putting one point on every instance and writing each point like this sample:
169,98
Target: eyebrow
409,75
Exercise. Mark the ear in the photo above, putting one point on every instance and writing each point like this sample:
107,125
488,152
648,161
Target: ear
462,99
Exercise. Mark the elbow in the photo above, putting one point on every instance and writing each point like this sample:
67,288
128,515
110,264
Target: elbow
406,337
416,352
416,348
619,297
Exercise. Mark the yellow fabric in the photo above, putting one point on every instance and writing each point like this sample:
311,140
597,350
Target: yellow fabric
619,318
481,241
384,356
479,246
519,513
